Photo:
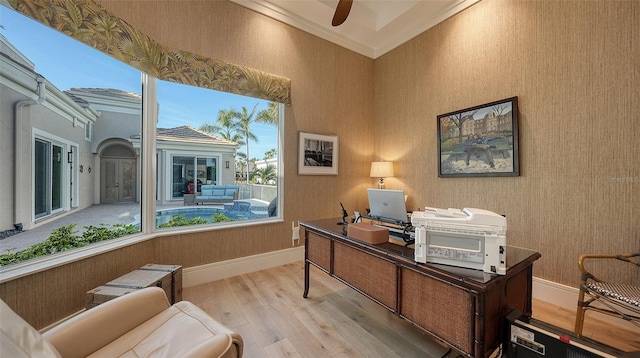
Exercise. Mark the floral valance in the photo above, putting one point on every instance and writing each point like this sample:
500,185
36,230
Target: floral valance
94,25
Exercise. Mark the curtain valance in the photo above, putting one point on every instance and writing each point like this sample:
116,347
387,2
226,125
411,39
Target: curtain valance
94,25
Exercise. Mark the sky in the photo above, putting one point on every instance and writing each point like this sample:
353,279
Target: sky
179,104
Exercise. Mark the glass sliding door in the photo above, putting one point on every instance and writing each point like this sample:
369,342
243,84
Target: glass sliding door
48,178
56,178
41,193
181,167
192,172
207,170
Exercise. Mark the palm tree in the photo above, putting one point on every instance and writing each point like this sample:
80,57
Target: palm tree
271,153
244,121
226,127
269,115
266,175
251,168
241,165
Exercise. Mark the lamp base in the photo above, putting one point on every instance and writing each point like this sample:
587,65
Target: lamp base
381,184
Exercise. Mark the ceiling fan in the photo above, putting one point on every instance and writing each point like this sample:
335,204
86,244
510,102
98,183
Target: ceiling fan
342,11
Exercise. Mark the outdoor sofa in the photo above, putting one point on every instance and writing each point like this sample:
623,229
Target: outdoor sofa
212,193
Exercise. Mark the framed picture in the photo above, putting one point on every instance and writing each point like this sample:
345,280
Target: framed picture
479,141
317,154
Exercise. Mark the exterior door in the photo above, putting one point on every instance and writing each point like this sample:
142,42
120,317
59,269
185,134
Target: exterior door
118,180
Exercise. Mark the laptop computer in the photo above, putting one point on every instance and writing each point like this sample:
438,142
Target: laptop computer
387,204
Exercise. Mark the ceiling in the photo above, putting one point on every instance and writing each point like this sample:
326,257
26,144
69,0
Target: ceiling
373,27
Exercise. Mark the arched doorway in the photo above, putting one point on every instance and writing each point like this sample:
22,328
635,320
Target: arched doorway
117,174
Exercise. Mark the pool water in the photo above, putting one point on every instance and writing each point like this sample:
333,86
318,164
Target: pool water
164,216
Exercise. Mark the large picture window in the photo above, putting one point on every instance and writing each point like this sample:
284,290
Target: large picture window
81,143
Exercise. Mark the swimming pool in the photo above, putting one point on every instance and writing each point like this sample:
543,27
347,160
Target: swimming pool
165,215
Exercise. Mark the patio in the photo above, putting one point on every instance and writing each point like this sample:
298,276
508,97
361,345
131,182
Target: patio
107,214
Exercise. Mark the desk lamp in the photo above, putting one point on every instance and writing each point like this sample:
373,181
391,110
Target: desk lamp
381,170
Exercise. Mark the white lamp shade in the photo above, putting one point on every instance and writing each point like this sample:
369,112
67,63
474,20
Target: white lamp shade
381,170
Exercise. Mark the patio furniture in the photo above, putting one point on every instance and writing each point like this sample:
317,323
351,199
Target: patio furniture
212,193
189,199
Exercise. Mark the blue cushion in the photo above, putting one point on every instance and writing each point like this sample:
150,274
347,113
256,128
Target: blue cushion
218,191
206,192
230,191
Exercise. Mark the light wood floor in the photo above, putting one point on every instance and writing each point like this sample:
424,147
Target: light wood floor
267,309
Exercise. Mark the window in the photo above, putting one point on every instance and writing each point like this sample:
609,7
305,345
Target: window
83,144
210,141
60,167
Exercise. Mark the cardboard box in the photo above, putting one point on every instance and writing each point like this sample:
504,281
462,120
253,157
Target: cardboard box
368,233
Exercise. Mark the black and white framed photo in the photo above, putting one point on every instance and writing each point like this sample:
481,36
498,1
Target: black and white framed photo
479,141
317,154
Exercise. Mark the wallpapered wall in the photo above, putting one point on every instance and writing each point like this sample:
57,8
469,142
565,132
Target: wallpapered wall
574,67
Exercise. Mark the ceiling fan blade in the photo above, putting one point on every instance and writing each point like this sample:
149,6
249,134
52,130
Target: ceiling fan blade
342,11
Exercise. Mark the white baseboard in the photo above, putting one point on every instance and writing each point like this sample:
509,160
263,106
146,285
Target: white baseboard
555,293
193,276
567,297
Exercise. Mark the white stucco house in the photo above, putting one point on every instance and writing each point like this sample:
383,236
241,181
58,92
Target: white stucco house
67,150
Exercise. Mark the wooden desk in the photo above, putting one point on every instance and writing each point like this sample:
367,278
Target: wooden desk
463,308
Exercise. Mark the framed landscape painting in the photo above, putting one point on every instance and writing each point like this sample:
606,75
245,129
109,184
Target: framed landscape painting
317,154
479,141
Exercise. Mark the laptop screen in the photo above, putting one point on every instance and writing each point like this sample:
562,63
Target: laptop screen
387,203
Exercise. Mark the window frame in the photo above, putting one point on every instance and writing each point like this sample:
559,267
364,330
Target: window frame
148,199
148,192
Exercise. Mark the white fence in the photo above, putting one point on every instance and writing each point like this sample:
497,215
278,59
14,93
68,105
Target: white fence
257,191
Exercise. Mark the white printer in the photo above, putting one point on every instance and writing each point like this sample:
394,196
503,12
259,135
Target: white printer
471,238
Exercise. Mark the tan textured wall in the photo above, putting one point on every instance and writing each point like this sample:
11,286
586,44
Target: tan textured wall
575,68
332,94
49,296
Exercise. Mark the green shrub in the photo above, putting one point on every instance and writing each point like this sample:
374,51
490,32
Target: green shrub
65,238
220,218
181,220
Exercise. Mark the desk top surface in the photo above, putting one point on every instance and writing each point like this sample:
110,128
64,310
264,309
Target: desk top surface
515,255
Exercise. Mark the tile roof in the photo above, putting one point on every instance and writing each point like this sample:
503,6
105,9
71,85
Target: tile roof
107,92
184,134
188,134
81,101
